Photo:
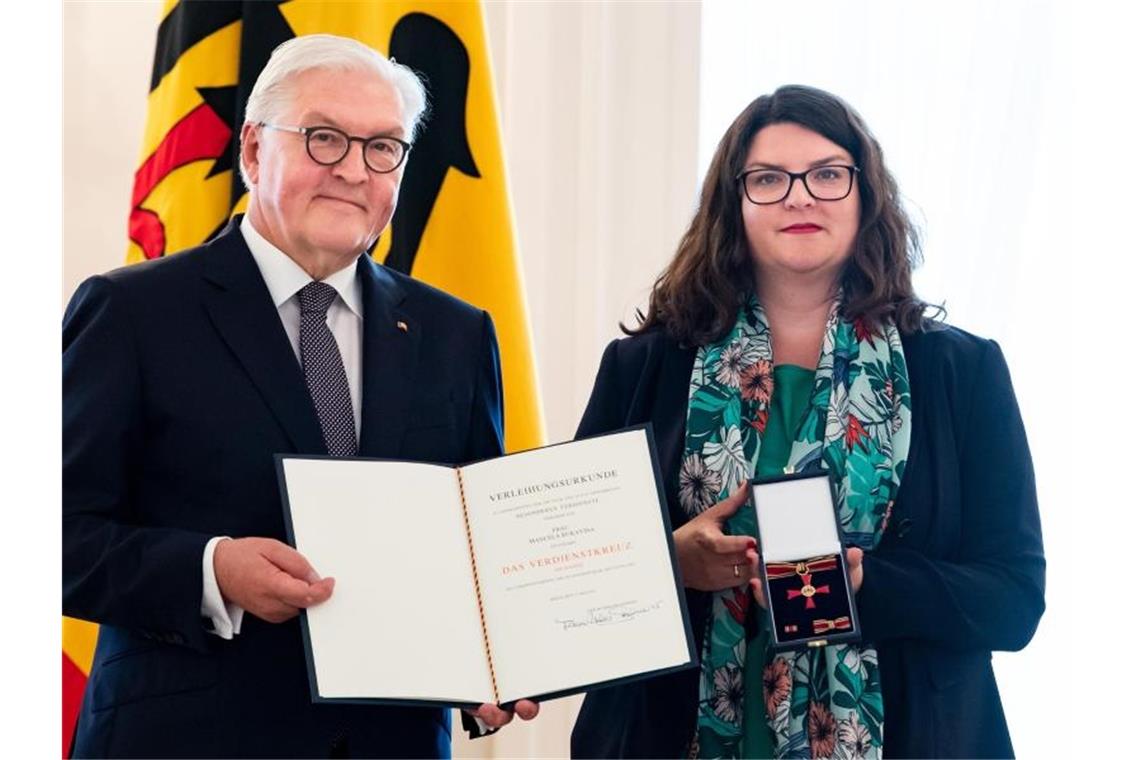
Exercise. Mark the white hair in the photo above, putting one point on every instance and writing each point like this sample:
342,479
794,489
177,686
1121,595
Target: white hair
272,92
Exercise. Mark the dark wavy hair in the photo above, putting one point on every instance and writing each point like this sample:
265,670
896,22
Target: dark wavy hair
697,297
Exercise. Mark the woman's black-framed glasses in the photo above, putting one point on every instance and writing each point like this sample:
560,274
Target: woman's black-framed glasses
329,145
832,182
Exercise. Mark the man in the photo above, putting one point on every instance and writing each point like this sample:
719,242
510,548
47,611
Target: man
182,377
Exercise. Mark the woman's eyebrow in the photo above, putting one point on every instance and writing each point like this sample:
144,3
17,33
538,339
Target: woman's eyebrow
813,164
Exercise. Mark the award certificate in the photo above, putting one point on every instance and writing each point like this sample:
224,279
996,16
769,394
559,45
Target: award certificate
532,575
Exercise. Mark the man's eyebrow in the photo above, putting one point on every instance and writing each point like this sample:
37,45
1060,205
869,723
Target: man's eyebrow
818,162
320,118
317,118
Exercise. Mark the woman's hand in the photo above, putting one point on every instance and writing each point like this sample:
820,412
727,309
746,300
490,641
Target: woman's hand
710,560
854,567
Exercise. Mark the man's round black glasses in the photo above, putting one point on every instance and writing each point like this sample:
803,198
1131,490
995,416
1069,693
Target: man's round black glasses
329,145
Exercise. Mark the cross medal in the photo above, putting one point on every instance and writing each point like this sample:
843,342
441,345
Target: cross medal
804,570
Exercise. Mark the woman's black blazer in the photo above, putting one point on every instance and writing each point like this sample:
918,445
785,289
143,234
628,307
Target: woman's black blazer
960,570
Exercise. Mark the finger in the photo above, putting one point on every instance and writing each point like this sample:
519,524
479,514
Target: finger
854,557
321,590
493,716
758,592
728,560
291,561
526,709
730,544
275,612
753,560
734,575
292,591
723,510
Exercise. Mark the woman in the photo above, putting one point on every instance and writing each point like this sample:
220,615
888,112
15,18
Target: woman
787,318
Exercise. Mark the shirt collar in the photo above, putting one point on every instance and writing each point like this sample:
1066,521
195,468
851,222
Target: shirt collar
284,277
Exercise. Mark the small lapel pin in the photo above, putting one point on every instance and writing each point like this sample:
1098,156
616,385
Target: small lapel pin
403,326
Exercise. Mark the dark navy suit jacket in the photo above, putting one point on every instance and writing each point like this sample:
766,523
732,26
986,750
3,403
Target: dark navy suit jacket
960,571
179,386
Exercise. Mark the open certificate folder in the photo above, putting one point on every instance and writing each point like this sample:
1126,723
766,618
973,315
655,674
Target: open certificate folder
532,575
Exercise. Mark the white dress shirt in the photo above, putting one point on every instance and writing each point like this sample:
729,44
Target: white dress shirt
284,277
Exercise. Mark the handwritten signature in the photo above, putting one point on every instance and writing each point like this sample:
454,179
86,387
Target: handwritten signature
618,613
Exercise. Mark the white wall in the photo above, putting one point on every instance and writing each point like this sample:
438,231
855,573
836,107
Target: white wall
108,51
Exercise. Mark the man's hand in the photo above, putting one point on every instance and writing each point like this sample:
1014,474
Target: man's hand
710,560
854,565
496,717
268,579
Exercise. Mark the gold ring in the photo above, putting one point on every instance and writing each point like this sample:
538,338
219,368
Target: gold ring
736,571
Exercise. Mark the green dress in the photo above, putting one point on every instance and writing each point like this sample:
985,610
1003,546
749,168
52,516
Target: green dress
792,386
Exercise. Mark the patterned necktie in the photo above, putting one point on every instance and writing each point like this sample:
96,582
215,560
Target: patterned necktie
324,371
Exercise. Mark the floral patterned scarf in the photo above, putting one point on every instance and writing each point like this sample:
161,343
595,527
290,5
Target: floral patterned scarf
822,702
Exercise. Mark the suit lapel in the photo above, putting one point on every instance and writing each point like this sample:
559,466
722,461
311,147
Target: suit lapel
669,415
242,311
391,351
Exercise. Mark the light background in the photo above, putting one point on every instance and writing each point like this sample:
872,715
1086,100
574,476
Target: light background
1010,126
